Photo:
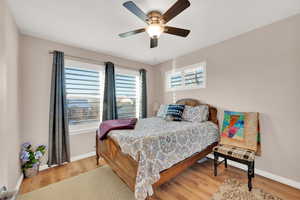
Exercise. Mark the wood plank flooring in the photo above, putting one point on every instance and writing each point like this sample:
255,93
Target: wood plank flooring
196,183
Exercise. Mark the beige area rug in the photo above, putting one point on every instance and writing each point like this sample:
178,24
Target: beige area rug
232,189
99,184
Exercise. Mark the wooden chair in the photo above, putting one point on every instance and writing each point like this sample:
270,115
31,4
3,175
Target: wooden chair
236,154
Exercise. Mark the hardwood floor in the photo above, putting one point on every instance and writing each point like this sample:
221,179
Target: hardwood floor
196,183
56,174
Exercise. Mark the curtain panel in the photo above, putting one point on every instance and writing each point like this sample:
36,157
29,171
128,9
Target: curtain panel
58,146
143,84
109,98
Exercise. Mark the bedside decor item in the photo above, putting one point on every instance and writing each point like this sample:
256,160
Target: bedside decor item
240,129
233,189
175,111
31,158
238,141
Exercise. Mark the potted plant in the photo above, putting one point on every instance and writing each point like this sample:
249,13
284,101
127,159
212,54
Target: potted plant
31,159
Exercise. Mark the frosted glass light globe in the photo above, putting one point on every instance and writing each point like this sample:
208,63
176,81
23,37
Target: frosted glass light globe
154,30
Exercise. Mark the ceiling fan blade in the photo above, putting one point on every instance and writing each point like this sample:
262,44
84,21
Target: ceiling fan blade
132,7
177,31
153,42
176,9
130,33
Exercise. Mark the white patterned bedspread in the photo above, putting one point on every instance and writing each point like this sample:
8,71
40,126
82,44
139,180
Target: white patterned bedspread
162,144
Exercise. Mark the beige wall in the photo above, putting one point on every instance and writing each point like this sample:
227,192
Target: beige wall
36,64
257,71
9,105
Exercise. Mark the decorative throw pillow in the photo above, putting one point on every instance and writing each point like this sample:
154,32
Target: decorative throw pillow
175,112
195,114
162,111
240,129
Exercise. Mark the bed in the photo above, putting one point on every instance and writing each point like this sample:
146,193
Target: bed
156,150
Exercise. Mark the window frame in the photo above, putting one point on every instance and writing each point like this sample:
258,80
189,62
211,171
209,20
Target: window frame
181,71
132,72
88,66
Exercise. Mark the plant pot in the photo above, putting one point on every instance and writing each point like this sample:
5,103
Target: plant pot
30,172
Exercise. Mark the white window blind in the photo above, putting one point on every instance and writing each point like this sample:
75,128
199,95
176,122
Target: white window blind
127,91
176,80
84,97
186,78
194,77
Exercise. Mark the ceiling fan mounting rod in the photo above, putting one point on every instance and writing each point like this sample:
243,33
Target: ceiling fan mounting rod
155,17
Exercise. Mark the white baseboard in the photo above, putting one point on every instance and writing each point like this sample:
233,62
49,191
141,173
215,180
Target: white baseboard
18,186
19,183
269,175
82,156
79,157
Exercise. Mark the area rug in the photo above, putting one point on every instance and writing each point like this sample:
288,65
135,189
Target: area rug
99,184
232,189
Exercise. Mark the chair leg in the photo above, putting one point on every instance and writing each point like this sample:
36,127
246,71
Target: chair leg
225,162
97,155
249,183
253,174
215,164
250,175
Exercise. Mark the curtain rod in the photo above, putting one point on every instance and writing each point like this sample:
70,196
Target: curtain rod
81,58
92,60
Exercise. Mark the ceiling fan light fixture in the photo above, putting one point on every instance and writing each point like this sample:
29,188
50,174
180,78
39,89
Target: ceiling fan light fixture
155,30
156,21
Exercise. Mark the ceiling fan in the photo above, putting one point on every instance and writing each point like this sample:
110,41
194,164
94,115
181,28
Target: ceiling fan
156,22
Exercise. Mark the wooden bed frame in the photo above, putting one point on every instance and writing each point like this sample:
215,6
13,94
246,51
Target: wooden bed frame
126,167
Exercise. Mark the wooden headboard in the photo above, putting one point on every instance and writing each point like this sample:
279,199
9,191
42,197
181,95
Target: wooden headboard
194,102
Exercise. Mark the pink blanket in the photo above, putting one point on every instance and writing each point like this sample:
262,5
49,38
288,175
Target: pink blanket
109,125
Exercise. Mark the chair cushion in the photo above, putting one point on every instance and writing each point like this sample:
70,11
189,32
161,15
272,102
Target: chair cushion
236,152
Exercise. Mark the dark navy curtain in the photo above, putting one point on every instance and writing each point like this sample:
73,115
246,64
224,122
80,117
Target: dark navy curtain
110,99
58,147
143,80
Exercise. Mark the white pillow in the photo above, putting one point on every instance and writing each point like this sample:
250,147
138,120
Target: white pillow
195,114
162,112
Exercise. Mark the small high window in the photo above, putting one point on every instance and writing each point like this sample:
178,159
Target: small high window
190,77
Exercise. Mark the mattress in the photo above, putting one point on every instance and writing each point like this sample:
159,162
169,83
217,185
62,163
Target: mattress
158,144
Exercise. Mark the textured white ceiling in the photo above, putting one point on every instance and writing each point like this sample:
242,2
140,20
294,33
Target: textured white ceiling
95,24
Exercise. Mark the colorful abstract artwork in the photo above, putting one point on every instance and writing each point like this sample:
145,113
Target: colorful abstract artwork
233,125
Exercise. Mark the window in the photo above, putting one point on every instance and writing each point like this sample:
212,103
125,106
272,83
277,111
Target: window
84,88
186,78
127,92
